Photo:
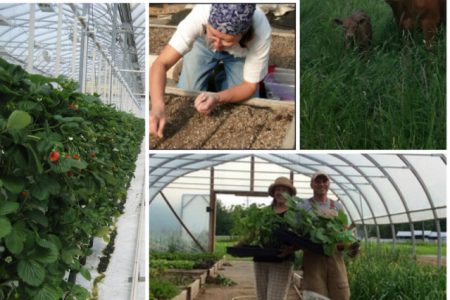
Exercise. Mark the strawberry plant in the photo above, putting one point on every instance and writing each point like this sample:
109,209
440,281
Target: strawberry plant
254,226
54,195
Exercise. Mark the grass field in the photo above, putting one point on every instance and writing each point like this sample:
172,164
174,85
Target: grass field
421,248
391,98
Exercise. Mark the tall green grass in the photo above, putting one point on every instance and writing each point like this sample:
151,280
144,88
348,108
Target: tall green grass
388,274
421,248
391,98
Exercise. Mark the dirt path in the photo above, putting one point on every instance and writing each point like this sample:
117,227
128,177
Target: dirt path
242,273
431,260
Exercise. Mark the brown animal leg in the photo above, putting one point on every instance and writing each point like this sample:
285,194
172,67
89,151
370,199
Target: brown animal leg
429,29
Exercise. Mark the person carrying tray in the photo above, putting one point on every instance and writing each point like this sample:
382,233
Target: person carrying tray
324,277
273,274
237,35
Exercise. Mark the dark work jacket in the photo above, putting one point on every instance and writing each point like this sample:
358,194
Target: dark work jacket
275,259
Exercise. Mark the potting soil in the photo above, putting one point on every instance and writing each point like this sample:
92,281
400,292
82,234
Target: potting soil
230,126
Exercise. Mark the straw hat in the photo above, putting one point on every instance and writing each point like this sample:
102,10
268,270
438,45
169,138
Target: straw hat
282,181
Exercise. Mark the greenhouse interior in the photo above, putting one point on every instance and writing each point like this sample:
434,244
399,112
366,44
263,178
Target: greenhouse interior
72,158
396,202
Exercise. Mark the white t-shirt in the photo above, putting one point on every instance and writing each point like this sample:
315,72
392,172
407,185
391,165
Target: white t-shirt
256,54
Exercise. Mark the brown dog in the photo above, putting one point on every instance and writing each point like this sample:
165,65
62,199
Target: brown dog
357,30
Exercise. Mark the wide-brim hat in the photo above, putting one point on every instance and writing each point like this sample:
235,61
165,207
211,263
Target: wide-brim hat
282,181
319,174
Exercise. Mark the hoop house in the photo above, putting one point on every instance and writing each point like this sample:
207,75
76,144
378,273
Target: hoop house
101,46
375,189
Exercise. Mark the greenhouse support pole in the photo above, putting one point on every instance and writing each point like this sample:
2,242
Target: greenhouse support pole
212,212
181,222
94,70
58,41
252,173
97,71
400,194
82,70
74,43
113,49
105,80
430,201
31,38
121,97
394,238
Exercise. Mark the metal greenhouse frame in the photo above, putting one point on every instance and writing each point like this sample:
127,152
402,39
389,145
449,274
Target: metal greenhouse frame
375,189
101,46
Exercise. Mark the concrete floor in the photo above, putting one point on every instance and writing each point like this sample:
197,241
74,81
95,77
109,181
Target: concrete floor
117,283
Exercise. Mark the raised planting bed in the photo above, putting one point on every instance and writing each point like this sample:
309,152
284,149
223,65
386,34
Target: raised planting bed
292,239
254,124
251,251
282,50
199,273
191,290
175,271
198,260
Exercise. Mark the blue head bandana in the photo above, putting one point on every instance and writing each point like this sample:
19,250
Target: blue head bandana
231,18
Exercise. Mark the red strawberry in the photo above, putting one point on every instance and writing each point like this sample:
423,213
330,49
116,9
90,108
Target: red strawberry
54,156
76,156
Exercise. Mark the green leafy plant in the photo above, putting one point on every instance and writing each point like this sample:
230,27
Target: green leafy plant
220,280
200,260
171,264
254,226
66,161
327,228
162,289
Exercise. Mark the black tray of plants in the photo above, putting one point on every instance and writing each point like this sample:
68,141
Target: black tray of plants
292,239
250,251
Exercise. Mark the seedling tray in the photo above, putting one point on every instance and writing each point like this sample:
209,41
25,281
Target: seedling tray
250,251
253,124
292,239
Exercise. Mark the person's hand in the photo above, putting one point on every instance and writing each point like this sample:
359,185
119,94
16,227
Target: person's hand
286,251
205,102
353,250
157,121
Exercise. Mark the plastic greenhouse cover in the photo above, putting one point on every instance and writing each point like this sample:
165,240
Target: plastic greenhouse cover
15,28
374,188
